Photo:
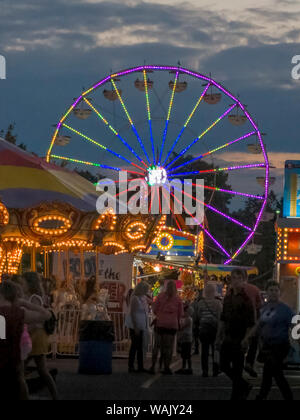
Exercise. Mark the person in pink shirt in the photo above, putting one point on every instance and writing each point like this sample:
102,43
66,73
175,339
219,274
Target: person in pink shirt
168,309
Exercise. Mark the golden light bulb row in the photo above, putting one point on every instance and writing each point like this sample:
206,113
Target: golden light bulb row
52,232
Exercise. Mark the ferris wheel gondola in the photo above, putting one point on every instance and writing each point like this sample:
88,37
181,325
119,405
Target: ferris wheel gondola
237,118
211,97
81,111
140,85
254,249
62,140
180,86
255,148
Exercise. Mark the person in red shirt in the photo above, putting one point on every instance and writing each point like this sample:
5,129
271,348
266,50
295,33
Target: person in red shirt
254,295
168,309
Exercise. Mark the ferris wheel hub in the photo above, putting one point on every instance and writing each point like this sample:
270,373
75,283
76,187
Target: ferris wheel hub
156,176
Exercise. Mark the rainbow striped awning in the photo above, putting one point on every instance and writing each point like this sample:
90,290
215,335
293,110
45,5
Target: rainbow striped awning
27,181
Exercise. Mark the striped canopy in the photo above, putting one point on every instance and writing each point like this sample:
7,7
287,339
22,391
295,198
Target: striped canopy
28,181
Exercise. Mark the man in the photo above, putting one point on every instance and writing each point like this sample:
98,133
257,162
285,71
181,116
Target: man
254,295
237,320
273,328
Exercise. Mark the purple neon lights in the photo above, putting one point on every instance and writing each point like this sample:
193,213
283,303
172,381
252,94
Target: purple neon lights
257,197
246,136
209,171
208,80
203,228
184,151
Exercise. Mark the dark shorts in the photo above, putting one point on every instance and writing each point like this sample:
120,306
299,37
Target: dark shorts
186,350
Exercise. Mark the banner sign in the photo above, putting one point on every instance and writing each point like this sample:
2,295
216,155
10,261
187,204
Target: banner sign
291,202
114,273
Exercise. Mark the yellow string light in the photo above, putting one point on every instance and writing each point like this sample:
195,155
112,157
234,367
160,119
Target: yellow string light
52,232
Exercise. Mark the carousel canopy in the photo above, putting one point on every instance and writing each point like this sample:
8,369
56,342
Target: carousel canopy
27,181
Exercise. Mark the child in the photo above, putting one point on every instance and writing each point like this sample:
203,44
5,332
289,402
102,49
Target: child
185,339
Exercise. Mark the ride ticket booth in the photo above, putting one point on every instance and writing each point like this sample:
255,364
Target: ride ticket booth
288,238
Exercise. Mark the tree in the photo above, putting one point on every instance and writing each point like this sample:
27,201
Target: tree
9,135
89,176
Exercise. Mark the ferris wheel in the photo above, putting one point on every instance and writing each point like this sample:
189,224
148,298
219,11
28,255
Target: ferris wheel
158,123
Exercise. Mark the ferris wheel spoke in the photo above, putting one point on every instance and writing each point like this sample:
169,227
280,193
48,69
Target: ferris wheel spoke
101,146
187,122
250,236
211,152
149,114
129,119
95,164
172,211
231,192
213,209
168,117
240,249
202,227
115,132
215,170
201,135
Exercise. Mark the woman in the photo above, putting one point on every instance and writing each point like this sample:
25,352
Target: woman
273,329
138,323
16,313
209,311
40,344
168,309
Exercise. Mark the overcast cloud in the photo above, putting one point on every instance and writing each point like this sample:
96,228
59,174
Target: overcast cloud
55,47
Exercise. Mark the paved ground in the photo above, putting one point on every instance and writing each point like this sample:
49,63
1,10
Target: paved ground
123,386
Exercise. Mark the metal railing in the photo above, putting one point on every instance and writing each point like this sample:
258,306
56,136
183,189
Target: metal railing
65,341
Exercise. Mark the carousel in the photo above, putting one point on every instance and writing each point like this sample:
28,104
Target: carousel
46,209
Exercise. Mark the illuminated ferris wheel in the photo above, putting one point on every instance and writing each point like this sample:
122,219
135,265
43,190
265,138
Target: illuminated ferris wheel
156,129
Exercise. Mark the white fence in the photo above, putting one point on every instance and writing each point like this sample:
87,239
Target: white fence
65,341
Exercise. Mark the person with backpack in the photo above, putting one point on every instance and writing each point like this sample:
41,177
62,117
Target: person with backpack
40,331
209,311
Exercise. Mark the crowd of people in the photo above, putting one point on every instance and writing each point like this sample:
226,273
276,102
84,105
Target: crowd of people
236,331
231,333
28,324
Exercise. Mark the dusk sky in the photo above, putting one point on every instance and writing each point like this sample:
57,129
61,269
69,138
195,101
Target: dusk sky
55,48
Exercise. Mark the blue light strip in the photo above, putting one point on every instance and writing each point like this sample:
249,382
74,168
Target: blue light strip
187,122
168,117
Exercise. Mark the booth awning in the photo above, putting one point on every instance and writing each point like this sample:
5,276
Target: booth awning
27,181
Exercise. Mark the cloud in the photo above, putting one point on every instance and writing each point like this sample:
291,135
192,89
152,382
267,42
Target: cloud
113,23
55,47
